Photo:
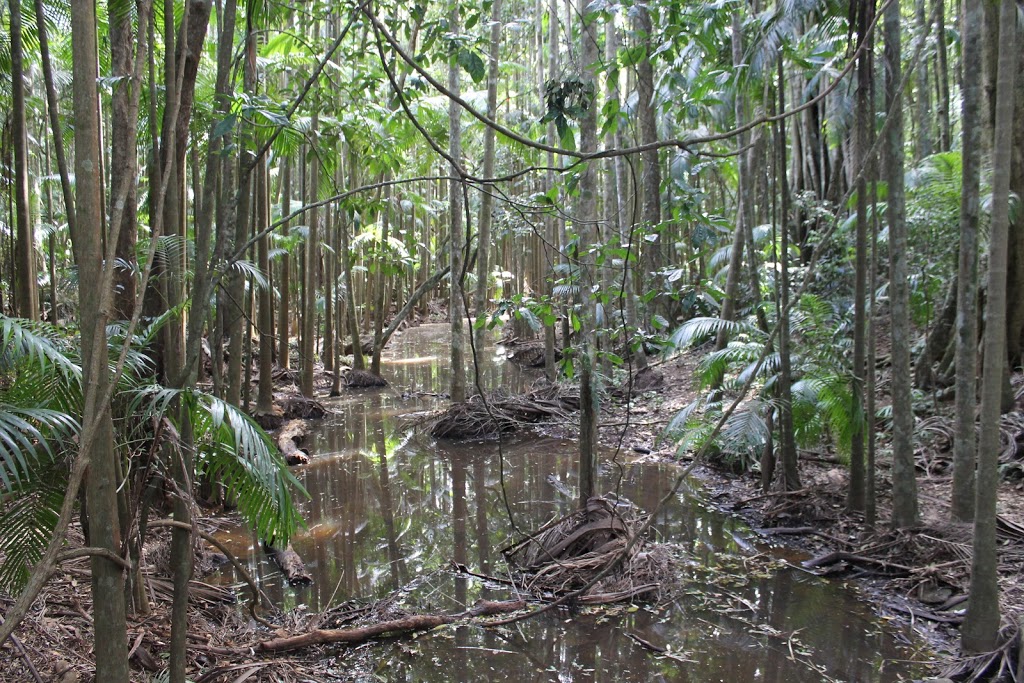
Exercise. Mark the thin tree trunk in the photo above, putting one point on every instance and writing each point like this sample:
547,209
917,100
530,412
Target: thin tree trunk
329,286
346,262
855,496
265,391
26,292
309,276
551,220
458,237
483,253
924,102
124,159
650,182
965,442
109,622
56,130
942,77
379,284
787,446
981,624
586,221
904,480
284,277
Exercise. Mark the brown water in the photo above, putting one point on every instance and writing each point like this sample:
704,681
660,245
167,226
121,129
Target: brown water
390,507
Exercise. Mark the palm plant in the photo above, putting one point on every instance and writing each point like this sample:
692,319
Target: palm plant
40,417
821,394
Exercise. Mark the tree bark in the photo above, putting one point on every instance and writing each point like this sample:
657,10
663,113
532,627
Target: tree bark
124,159
787,445
284,278
483,251
458,237
904,480
310,275
981,624
26,293
586,224
965,442
53,111
111,639
650,180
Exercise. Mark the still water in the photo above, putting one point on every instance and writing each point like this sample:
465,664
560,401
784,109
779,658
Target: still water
392,508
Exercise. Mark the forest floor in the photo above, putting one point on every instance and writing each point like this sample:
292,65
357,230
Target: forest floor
917,577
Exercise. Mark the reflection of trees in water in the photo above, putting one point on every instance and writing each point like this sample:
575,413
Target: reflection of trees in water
385,508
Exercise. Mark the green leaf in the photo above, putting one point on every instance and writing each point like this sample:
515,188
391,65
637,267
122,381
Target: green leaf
471,62
224,126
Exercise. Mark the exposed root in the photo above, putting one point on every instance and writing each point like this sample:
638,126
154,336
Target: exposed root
504,412
364,379
567,554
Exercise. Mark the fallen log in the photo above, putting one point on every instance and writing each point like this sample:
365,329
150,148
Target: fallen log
288,439
291,565
409,624
840,556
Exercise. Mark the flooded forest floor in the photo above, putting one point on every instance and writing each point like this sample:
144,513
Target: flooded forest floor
916,580
919,576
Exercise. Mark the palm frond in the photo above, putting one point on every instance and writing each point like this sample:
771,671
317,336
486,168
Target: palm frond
236,452
30,437
28,520
698,330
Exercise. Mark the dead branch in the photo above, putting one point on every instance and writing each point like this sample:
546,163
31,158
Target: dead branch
288,439
408,624
291,565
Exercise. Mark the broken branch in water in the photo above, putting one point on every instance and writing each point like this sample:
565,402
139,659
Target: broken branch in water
408,624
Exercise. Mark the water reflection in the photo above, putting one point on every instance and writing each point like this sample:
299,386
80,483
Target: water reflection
390,506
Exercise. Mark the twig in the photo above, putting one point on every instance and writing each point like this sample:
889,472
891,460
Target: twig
24,655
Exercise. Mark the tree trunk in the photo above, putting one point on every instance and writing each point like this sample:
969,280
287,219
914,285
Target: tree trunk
284,277
111,638
650,180
346,265
855,500
981,624
942,77
965,442
458,237
904,480
56,129
483,252
265,395
124,160
309,276
586,222
787,445
379,285
26,292
550,219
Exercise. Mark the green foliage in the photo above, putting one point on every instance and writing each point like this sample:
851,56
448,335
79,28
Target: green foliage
40,413
822,393
232,450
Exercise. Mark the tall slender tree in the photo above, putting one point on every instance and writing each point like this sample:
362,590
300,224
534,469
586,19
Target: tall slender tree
456,245
904,480
965,443
111,642
27,292
981,625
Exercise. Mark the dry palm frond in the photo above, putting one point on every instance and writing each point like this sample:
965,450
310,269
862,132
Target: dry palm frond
566,554
504,412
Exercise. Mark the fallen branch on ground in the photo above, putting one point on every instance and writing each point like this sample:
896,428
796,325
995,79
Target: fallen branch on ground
408,624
